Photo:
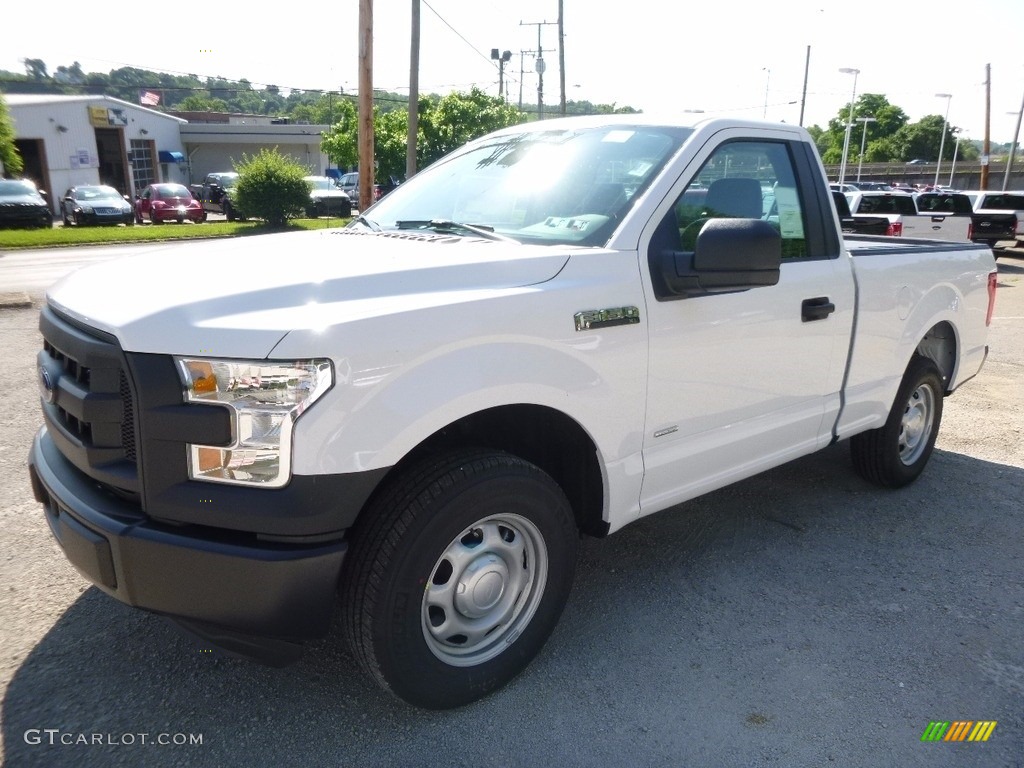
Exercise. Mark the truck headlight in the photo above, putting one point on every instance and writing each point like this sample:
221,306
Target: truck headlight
265,399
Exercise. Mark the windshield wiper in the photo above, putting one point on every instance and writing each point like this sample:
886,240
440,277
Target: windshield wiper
368,223
446,225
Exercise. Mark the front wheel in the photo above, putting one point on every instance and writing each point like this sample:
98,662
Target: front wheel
457,576
895,454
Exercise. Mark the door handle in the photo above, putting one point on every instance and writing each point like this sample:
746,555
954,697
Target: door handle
816,309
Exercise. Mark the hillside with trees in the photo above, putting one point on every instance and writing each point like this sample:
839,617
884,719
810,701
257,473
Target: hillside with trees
446,122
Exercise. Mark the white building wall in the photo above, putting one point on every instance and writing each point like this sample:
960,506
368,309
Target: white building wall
70,152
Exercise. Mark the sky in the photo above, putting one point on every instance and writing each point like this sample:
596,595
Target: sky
742,59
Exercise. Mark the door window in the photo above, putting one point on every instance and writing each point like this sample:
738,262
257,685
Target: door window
744,179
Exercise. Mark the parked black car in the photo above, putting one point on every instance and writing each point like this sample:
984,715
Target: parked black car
22,205
95,204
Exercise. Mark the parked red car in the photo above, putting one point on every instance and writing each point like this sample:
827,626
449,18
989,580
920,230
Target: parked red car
168,202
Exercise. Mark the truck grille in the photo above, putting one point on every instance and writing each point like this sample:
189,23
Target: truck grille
88,403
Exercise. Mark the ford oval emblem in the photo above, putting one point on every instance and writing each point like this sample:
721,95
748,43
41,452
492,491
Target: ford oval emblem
47,388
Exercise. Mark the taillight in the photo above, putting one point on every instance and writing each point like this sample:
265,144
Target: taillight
970,230
993,278
895,229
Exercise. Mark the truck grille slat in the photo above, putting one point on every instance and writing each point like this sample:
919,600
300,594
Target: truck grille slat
91,405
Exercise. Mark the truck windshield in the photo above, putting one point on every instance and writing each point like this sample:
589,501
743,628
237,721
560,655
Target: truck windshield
538,186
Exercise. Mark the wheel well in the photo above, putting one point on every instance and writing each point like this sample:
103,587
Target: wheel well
544,437
939,346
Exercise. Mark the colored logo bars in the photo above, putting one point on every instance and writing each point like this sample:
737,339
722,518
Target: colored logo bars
958,730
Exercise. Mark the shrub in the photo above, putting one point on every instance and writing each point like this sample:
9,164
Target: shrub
271,187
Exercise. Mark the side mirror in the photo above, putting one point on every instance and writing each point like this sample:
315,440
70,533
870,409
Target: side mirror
730,255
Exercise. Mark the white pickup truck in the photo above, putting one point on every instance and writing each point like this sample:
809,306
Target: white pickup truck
930,219
560,328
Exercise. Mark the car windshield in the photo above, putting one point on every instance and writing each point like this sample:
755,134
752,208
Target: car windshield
322,183
171,190
558,186
14,187
227,180
98,193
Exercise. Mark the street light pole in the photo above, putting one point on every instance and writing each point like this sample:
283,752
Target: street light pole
942,142
863,140
849,122
767,82
502,58
956,150
1013,147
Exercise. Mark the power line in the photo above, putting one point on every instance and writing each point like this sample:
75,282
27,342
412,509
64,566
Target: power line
453,29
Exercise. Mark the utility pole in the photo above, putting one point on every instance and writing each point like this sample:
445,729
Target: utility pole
414,93
987,146
561,54
522,71
365,140
540,64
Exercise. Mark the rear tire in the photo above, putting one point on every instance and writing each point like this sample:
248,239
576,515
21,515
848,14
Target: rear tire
458,573
895,454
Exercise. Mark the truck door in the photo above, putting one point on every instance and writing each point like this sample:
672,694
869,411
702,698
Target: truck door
740,382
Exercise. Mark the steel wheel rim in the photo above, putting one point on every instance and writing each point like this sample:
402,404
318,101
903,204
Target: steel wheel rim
916,424
484,589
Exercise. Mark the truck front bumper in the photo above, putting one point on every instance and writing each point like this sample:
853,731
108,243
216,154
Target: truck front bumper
253,598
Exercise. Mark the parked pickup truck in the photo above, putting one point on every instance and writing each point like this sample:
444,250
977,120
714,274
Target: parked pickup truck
906,218
1000,216
218,196
862,224
532,339
942,216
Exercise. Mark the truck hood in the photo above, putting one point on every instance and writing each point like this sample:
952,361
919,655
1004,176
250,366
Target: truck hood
240,297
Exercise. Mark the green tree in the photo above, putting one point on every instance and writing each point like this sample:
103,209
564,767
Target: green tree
458,118
923,138
340,143
197,103
888,120
36,69
271,187
390,143
9,155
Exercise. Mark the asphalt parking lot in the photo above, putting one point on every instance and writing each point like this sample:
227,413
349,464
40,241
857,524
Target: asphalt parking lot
799,618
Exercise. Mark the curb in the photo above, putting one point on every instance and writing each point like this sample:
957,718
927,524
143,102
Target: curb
15,300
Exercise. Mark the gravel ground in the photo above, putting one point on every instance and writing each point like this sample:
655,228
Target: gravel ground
800,618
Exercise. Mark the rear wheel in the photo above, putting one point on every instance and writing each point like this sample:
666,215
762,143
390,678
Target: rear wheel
895,454
457,576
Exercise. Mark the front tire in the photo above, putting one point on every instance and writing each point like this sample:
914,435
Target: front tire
895,454
458,574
